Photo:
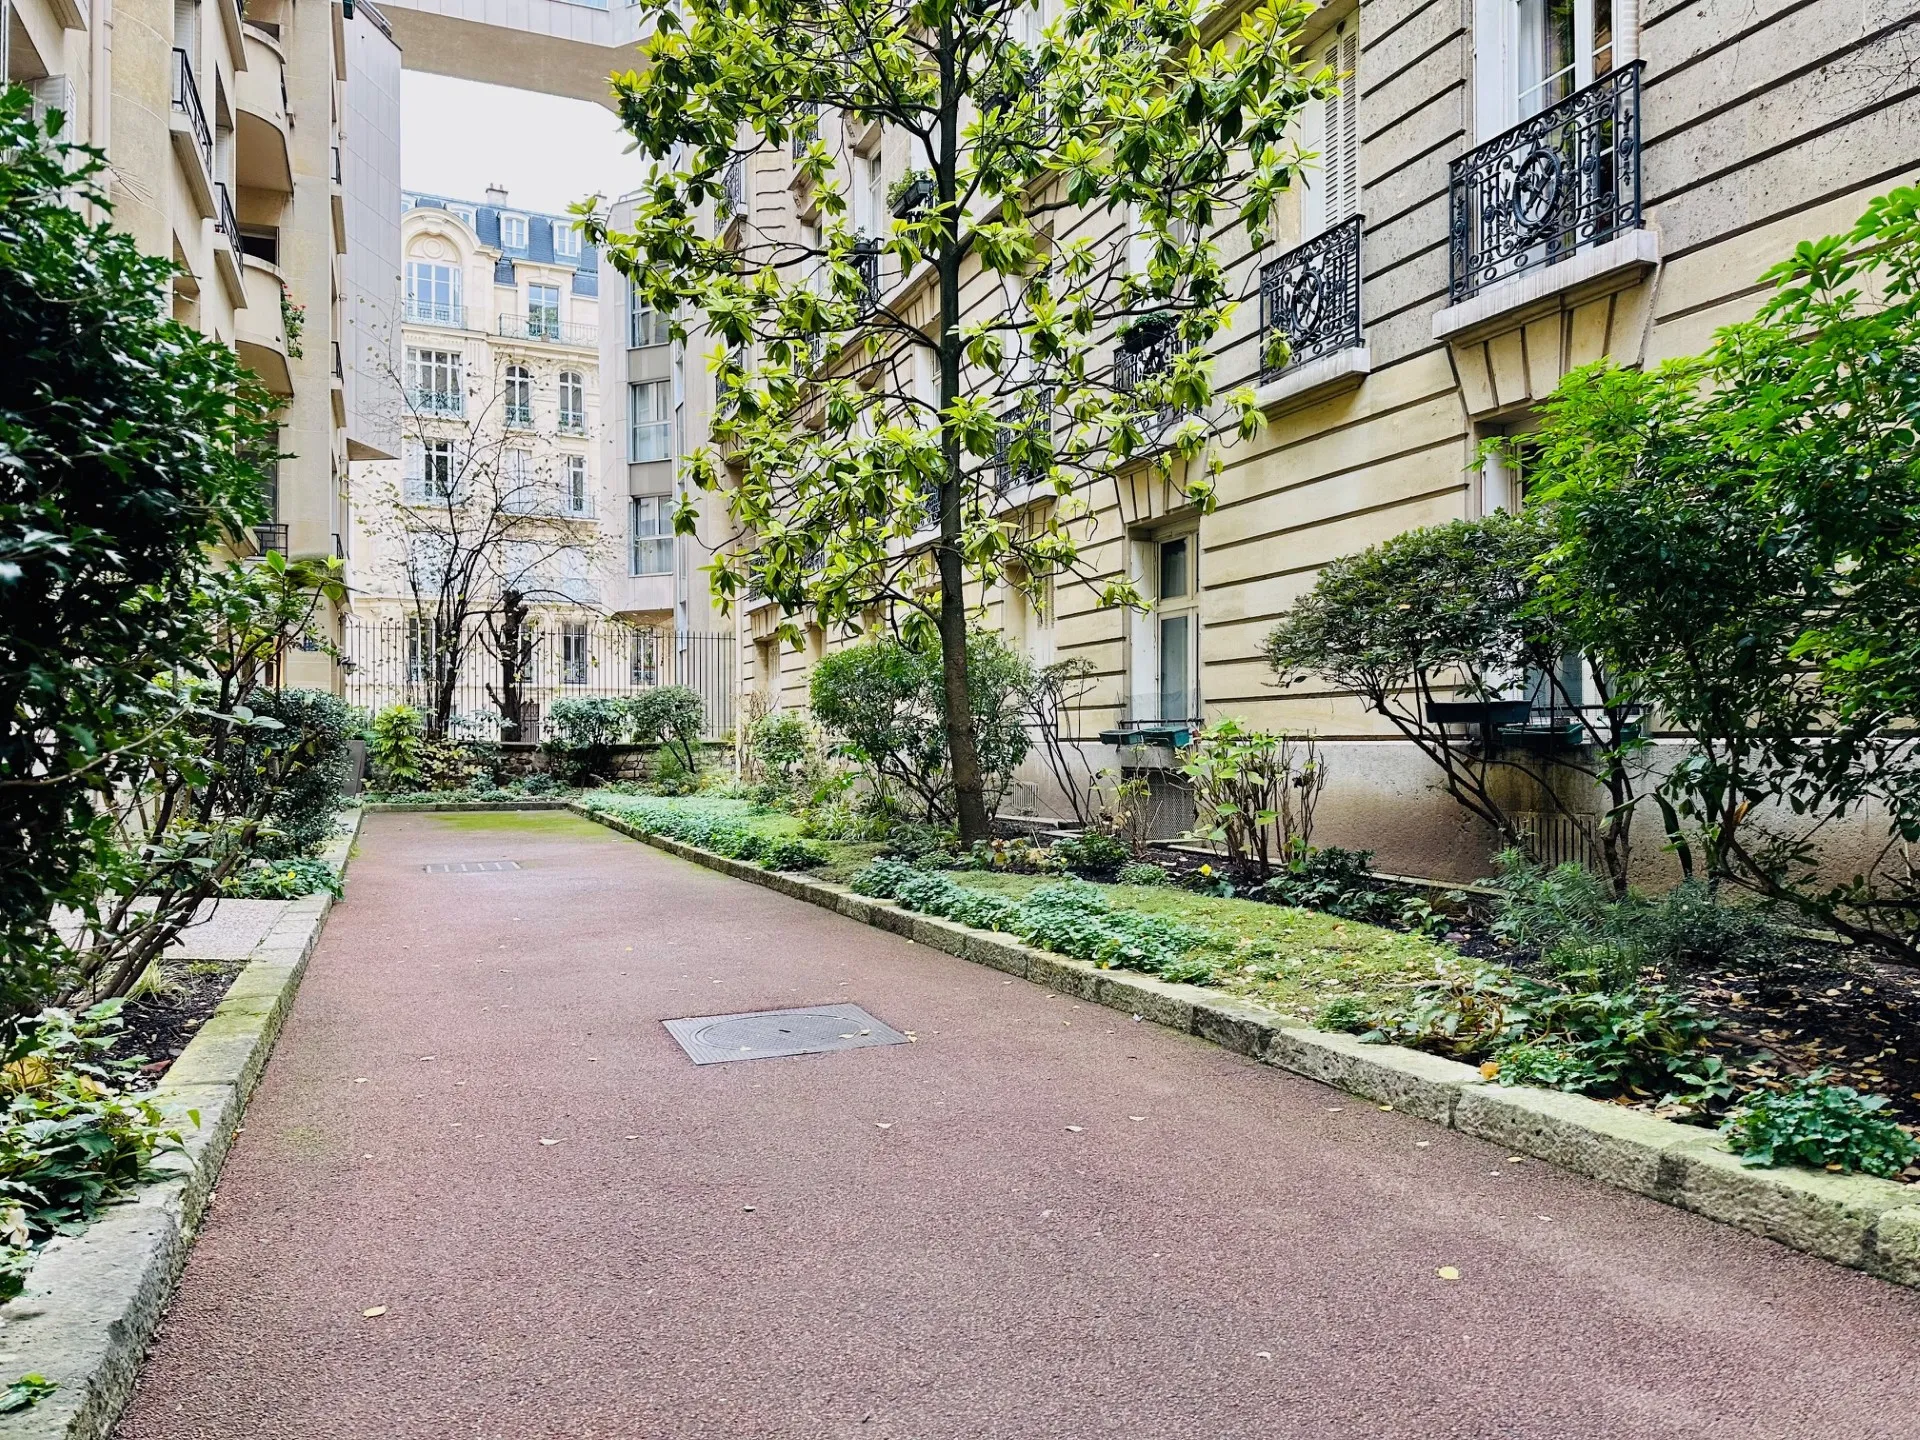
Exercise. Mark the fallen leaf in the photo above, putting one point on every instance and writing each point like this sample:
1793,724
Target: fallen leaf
1136,1117
1447,1272
1076,1128
545,1141
883,1125
360,1080
374,1313
1516,1159
1386,1107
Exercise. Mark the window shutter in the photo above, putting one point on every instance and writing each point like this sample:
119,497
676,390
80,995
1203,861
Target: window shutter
1340,131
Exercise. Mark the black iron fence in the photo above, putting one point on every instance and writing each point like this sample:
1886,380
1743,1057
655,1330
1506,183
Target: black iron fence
1567,178
499,684
1311,295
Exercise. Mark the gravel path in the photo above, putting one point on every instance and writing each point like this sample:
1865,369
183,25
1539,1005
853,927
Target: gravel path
1039,1220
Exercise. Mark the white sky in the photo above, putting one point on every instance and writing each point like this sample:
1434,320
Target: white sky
458,136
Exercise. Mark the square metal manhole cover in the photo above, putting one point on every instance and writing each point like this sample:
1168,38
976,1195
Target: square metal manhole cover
469,867
764,1034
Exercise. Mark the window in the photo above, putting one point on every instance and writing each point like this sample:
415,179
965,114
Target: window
566,240
433,294
575,498
572,576
428,555
543,312
1177,623
646,658
434,382
645,325
513,232
432,471
517,490
520,397
464,213
652,535
573,402
650,423
1532,54
423,649
576,657
1332,129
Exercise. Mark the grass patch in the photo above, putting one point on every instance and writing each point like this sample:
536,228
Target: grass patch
1294,961
844,860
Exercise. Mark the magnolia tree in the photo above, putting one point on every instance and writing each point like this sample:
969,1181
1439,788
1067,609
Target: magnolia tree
485,523
881,452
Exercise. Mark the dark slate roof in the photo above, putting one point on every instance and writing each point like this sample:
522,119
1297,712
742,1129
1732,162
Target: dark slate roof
539,246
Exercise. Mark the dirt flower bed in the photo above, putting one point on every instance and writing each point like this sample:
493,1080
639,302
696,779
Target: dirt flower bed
160,1019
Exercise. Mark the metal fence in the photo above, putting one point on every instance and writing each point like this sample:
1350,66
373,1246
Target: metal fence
409,662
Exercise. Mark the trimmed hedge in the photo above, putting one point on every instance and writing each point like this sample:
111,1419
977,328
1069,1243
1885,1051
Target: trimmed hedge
721,835
1069,917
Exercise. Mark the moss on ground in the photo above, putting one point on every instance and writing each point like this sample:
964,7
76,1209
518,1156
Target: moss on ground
524,821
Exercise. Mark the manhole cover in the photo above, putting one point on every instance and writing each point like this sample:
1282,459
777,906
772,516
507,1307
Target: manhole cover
469,867
764,1034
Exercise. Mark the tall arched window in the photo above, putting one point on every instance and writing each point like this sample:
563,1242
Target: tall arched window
573,402
520,397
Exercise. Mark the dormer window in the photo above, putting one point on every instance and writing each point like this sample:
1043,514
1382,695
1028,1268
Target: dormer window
513,232
566,241
462,213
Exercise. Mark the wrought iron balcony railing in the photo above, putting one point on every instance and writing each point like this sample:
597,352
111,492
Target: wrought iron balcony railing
733,192
186,99
1566,179
225,222
429,312
1007,475
866,260
1146,354
1311,297
806,127
545,325
270,539
445,403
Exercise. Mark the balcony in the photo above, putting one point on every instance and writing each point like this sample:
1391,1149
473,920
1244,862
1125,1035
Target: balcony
1009,476
437,404
425,312
226,242
339,387
731,208
548,327
1561,187
1310,298
192,138
1145,359
643,594
261,336
866,263
263,157
270,539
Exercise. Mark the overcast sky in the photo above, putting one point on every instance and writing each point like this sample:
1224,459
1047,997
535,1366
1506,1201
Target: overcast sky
458,136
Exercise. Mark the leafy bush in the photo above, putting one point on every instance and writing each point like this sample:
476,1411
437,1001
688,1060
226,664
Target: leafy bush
395,742
1253,790
73,1138
583,732
672,717
537,783
306,772
1345,1015
1812,1123
722,834
1068,916
1092,853
885,703
779,745
921,844
284,880
1339,882
1141,873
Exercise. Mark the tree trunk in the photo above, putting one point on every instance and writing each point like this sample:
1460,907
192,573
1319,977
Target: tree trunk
513,624
969,785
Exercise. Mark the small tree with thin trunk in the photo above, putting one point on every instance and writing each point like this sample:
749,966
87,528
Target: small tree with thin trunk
885,446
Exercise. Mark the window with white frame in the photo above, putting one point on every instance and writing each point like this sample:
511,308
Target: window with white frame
645,325
518,491
1173,631
576,656
1531,54
645,666
519,397
432,471
575,497
423,649
464,213
433,293
513,232
429,554
573,574
652,527
543,311
566,240
1331,129
573,402
649,422
434,383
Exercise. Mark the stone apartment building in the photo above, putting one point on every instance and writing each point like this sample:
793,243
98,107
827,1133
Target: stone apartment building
1508,189
257,148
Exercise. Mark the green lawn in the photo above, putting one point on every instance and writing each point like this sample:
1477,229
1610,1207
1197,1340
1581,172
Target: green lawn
1293,961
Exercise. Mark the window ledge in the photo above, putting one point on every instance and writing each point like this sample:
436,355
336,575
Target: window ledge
1602,268
1330,374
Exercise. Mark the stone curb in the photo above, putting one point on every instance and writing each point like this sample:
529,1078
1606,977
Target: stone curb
1853,1220
93,1300
382,807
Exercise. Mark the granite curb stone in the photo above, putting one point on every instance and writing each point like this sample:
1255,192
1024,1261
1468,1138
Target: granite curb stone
1869,1224
93,1300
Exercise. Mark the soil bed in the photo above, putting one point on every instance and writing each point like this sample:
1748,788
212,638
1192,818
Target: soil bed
158,1026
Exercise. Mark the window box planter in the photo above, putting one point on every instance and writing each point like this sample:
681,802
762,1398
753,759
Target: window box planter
1490,714
1147,332
1157,734
911,196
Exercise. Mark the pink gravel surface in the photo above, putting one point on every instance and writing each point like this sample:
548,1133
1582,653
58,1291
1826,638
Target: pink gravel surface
1039,1219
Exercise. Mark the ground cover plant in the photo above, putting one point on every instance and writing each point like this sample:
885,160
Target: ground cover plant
720,826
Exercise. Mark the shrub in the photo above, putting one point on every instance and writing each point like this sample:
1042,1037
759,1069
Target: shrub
583,732
885,703
309,769
395,742
284,880
1833,1127
670,716
779,745
1345,1015
1251,789
73,1138
1141,873
1339,882
1092,853
722,834
538,783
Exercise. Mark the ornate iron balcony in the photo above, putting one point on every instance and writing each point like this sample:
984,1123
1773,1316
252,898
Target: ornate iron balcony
1311,295
270,539
806,127
866,260
1146,353
733,192
429,312
1008,476
1567,178
546,325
